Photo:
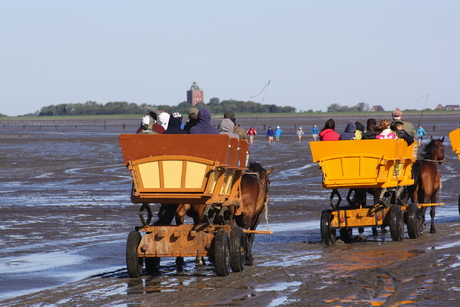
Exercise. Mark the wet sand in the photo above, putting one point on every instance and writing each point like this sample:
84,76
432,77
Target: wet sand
66,213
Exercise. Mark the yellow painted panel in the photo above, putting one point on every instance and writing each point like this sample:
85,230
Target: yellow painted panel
195,175
150,175
172,172
227,186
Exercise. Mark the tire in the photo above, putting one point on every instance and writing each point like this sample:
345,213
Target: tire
152,264
237,244
413,221
396,223
222,253
346,235
327,233
133,262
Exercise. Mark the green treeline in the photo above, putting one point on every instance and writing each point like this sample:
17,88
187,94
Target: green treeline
122,107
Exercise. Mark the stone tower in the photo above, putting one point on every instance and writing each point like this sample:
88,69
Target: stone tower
195,94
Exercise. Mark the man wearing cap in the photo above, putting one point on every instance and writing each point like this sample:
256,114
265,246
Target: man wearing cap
192,119
236,129
397,117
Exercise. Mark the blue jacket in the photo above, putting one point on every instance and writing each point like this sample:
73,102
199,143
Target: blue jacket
270,132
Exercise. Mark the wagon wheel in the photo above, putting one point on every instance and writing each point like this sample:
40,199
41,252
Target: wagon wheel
237,243
327,233
222,253
413,221
152,264
346,235
396,223
133,262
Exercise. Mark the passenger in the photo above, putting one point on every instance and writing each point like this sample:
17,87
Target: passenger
328,132
174,124
278,132
370,132
148,124
314,133
359,131
203,125
349,133
192,119
236,128
383,131
270,135
420,133
163,118
300,134
402,134
226,127
251,133
397,117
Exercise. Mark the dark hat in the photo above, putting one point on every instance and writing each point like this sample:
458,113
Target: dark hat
193,112
229,114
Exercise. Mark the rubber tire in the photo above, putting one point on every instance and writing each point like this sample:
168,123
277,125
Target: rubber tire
152,264
222,253
346,235
396,223
133,262
237,250
327,233
413,221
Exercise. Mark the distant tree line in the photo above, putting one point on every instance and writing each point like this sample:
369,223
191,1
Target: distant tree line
122,107
360,107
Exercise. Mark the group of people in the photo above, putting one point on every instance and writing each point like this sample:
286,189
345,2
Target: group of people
199,122
399,128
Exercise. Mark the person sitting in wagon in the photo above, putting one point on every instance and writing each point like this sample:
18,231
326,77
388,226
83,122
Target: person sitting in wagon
226,126
383,131
174,124
328,132
402,134
203,125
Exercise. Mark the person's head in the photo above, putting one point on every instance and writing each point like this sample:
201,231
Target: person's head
385,123
359,126
371,123
175,120
277,127
229,114
204,115
419,126
314,126
269,127
399,126
193,113
163,119
397,115
330,124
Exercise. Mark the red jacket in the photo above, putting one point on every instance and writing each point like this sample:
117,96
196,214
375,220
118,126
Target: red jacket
329,135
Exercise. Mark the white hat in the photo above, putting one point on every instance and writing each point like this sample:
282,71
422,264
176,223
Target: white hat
277,127
163,119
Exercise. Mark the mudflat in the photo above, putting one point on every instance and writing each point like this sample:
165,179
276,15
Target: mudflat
66,213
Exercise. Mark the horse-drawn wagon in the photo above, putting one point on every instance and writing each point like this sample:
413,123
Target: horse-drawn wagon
380,167
204,170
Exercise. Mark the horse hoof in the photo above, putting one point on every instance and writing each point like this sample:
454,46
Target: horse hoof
433,231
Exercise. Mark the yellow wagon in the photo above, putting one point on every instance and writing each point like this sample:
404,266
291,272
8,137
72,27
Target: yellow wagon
185,169
385,167
454,137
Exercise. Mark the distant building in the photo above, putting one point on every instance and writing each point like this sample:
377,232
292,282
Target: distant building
377,109
448,107
195,94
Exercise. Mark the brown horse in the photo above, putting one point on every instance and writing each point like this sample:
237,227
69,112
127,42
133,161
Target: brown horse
427,180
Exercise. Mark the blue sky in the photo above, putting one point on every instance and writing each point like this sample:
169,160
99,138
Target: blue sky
315,53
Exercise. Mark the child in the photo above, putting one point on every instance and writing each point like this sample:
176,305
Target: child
402,134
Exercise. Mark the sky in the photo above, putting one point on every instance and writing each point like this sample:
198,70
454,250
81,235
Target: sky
314,53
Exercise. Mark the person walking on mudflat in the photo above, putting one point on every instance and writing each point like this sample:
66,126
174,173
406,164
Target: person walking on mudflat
278,132
314,133
300,134
270,135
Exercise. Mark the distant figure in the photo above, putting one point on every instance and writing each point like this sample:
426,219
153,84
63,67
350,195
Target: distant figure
300,134
203,125
270,135
251,133
328,132
174,124
349,133
420,133
192,119
314,133
163,118
278,132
